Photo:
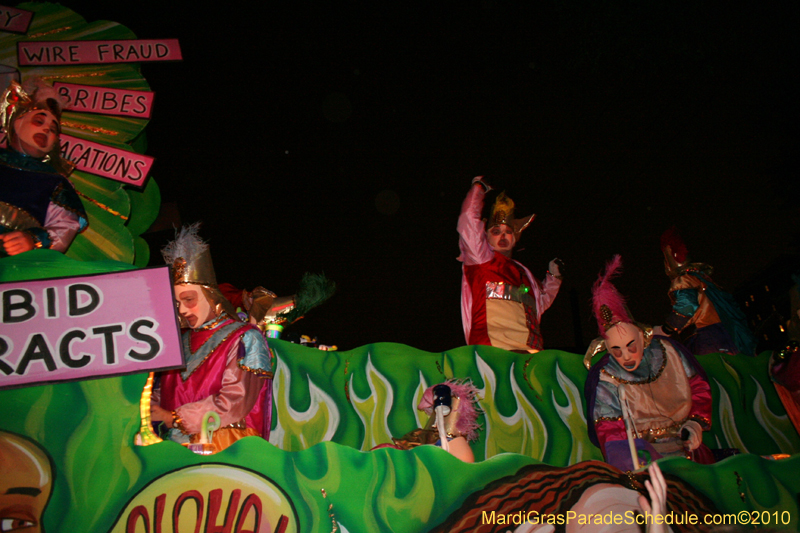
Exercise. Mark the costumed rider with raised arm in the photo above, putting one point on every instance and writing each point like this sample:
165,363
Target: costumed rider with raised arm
648,382
501,302
39,207
707,317
226,359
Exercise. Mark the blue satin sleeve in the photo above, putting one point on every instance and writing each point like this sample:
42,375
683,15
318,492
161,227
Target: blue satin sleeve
256,354
607,402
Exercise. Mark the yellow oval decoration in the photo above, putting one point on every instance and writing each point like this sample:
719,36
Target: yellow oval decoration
209,498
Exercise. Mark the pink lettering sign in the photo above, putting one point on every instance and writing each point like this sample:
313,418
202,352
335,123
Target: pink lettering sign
107,101
36,53
88,327
15,20
112,163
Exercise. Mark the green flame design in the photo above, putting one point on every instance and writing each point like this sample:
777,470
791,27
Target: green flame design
727,421
374,409
777,427
572,415
296,430
418,393
523,432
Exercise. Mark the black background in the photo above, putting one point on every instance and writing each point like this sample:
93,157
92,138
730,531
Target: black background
342,137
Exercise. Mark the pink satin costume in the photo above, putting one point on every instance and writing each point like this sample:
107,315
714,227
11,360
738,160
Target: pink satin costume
219,377
501,302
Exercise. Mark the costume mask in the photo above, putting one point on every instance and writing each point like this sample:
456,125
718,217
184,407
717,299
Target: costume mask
36,133
502,216
25,484
193,306
625,342
501,238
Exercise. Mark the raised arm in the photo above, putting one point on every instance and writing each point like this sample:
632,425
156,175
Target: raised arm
472,238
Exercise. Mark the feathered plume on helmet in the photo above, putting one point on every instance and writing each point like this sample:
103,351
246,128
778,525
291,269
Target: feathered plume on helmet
609,308
191,265
676,255
608,304
503,213
18,100
190,258
466,424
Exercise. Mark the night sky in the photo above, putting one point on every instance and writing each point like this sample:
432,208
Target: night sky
343,138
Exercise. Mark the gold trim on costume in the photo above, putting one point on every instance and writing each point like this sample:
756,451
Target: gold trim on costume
217,321
607,419
177,423
16,218
265,374
704,422
189,344
653,434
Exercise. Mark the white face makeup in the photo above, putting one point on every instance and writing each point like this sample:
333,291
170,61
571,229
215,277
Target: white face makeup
193,306
36,133
625,342
501,238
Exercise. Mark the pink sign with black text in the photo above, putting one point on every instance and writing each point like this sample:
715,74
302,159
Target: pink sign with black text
106,101
127,167
87,327
15,20
38,53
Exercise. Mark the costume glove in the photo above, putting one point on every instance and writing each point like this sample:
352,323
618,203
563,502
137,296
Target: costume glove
555,267
691,434
479,179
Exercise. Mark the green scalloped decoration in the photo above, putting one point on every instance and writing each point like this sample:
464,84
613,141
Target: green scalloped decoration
145,206
88,431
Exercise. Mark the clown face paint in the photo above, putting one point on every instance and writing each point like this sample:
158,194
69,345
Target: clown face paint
501,238
36,133
625,343
193,306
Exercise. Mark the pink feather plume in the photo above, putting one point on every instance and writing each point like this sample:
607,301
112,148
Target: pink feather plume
467,411
605,293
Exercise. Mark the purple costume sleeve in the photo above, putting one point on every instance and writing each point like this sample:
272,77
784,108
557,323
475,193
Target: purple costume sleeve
62,226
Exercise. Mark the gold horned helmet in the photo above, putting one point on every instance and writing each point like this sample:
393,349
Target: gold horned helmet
190,260
503,213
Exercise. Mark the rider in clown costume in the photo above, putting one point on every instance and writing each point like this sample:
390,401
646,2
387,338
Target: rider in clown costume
666,393
501,302
39,208
227,360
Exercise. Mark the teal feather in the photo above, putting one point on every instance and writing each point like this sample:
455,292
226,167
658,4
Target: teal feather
314,290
